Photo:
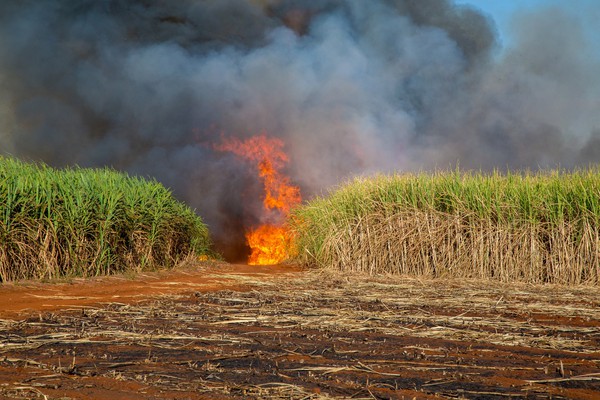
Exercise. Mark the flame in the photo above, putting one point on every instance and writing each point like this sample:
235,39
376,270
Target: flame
269,243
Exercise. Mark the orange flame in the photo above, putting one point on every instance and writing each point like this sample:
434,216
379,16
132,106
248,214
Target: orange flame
269,243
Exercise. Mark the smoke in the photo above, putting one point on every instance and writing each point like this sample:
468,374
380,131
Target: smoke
352,87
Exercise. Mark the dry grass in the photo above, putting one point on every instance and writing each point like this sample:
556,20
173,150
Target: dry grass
434,244
84,222
540,228
323,336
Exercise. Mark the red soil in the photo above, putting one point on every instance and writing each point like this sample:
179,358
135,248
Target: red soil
233,331
29,296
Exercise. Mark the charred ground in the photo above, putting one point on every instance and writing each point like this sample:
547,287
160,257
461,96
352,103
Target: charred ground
294,334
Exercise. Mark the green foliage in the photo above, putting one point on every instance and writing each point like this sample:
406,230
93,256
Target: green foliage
86,222
529,211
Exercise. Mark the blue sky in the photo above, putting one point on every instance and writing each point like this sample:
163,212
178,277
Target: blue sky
502,11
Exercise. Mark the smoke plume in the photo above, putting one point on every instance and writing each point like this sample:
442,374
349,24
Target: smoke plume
351,87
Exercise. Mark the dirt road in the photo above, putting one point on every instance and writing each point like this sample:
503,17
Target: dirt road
224,331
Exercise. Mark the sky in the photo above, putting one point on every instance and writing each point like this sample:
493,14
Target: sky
502,12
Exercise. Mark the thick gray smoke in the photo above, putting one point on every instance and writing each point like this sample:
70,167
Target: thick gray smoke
352,87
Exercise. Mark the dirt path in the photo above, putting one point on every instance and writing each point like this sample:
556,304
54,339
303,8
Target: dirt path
31,297
242,332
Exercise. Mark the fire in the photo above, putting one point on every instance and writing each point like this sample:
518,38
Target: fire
269,243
